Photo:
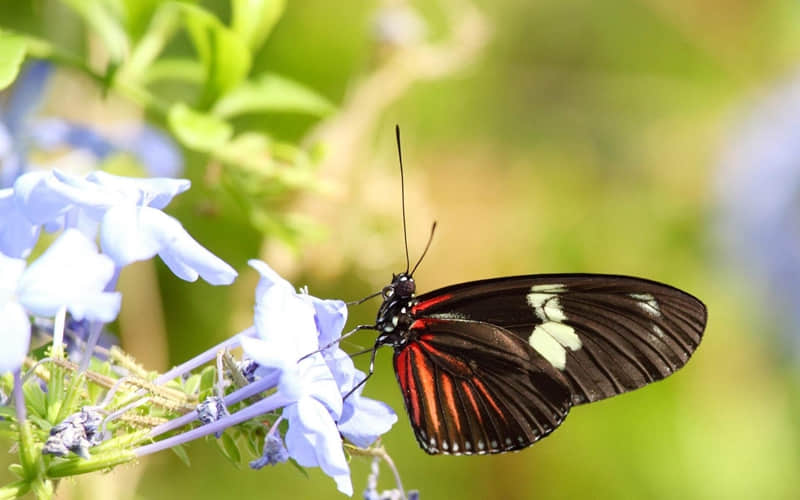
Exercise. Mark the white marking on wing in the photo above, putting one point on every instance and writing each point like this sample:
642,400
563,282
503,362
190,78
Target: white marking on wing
647,302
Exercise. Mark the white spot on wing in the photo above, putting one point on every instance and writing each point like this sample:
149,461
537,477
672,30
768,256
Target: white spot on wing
564,334
552,339
546,306
548,347
647,302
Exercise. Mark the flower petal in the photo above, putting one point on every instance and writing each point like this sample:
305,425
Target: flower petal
127,234
36,198
331,317
313,440
155,192
17,234
364,420
70,273
15,336
269,278
53,133
11,269
156,151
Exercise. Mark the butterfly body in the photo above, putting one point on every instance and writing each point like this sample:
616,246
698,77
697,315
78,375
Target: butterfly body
493,366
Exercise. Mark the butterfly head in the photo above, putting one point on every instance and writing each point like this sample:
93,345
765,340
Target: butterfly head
401,287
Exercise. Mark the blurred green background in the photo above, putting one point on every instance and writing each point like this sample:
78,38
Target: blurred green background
581,137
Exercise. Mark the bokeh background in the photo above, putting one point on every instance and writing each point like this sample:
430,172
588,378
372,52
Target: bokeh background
640,137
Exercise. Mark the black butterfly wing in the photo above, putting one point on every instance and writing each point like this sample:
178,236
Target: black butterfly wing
606,334
472,388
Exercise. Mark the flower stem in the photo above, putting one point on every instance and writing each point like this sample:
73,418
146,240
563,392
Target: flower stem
204,357
266,405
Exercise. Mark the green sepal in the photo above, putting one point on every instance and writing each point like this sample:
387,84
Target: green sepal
29,452
14,490
70,403
77,465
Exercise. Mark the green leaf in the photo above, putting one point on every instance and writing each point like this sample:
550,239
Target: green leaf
180,450
196,130
272,93
224,53
191,384
299,467
12,53
35,398
253,20
17,470
208,378
230,450
137,15
186,70
100,16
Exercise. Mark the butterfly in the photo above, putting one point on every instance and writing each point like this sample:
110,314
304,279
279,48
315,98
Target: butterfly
492,366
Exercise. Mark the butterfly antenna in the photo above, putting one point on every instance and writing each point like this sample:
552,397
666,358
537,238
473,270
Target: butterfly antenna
402,193
427,246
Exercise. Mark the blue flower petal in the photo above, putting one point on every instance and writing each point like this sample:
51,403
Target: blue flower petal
37,199
156,151
15,336
331,317
155,192
17,234
274,452
53,133
128,234
269,278
364,420
70,273
313,440
26,94
131,233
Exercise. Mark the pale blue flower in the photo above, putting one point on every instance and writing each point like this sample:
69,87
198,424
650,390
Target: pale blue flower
286,326
18,234
758,194
70,273
274,453
23,99
363,420
128,211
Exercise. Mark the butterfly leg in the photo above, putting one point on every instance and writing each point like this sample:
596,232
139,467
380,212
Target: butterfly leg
333,343
371,370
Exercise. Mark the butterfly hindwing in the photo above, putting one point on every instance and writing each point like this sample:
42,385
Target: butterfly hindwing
606,334
472,387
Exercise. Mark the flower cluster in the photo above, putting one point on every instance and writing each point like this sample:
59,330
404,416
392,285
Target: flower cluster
293,326
71,274
293,371
291,351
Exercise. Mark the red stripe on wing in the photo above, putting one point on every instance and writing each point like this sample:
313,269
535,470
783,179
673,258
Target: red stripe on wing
424,371
488,396
420,307
450,400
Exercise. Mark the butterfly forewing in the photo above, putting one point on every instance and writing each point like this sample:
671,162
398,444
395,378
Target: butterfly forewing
605,334
473,387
